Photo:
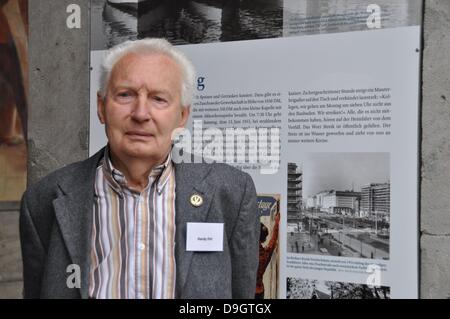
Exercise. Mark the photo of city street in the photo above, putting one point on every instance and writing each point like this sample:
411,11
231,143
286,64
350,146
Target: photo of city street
298,288
339,205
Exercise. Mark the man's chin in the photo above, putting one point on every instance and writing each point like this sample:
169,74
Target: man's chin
138,153
142,151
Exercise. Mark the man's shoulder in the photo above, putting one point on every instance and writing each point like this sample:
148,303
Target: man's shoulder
217,173
75,171
61,173
226,171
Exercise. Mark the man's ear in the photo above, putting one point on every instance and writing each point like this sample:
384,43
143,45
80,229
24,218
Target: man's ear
101,108
185,112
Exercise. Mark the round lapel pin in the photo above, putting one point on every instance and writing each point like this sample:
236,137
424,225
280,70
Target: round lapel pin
196,200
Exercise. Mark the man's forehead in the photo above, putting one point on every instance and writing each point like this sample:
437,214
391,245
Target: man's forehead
127,65
139,60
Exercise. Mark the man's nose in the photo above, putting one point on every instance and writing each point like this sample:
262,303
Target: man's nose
141,109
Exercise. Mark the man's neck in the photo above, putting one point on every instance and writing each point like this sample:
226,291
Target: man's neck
135,170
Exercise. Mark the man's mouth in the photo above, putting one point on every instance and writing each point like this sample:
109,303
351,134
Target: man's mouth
139,134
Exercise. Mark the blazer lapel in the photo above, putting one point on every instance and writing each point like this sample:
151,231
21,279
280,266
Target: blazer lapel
73,211
190,180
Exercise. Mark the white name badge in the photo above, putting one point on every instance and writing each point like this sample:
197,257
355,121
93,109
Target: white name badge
204,237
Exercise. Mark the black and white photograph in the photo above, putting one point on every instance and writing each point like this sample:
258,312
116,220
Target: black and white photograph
113,22
184,21
298,288
339,205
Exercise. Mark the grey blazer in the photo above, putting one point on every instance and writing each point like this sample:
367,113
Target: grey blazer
56,221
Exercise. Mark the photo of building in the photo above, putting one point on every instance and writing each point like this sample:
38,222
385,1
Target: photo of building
294,190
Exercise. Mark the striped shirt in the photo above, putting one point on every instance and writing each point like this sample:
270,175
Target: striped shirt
133,235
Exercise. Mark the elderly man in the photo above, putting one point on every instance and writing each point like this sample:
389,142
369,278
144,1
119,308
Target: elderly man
129,222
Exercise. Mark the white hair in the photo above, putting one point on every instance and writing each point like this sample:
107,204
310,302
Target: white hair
150,46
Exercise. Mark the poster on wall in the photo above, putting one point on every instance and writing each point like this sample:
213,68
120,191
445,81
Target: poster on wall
268,267
318,101
13,101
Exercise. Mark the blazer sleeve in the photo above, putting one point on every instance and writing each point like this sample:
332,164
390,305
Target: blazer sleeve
245,245
33,254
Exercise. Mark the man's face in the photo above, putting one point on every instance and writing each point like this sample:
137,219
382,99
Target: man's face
143,106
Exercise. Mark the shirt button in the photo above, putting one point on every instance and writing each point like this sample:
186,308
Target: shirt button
141,246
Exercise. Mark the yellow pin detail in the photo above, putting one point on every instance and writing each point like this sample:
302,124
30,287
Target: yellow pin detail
196,200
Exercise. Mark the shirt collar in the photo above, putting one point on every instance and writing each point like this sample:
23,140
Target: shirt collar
117,180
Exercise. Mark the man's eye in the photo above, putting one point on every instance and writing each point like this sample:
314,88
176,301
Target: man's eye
124,94
159,99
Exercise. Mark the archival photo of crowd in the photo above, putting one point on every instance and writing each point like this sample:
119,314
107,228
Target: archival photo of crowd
269,256
184,21
298,288
339,205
